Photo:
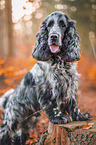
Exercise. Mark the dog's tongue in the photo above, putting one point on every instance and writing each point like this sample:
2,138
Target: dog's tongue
54,48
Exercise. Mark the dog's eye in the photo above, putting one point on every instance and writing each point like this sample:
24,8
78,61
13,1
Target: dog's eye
61,23
50,23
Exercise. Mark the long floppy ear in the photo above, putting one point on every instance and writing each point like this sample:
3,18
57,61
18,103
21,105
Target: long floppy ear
71,43
41,49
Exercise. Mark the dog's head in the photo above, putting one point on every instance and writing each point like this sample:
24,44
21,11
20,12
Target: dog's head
57,37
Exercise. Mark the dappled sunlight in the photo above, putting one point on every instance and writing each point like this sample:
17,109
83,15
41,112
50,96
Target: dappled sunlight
21,8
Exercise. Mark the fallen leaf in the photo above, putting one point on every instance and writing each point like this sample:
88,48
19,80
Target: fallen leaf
86,126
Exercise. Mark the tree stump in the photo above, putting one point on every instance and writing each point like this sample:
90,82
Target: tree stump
73,133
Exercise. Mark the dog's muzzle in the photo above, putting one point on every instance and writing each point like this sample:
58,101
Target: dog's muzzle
54,43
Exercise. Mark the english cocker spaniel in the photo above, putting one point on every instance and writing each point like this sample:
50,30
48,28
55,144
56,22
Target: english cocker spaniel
50,85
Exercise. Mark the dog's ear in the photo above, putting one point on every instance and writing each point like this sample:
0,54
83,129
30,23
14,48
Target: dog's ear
41,49
71,43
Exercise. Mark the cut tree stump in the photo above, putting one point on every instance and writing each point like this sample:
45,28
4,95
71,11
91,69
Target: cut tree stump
73,133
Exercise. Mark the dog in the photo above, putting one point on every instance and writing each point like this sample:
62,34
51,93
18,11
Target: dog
51,85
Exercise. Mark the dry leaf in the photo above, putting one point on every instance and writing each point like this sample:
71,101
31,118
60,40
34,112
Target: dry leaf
86,126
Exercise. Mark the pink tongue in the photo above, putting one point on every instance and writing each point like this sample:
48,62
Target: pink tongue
54,48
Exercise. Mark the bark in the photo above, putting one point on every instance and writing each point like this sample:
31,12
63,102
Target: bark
74,133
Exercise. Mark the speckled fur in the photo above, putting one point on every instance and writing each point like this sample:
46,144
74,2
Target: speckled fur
50,85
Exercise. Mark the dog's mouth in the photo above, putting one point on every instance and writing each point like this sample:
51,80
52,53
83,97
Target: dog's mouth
54,48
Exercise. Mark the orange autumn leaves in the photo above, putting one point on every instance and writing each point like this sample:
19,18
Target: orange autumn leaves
1,62
87,69
19,68
92,73
13,69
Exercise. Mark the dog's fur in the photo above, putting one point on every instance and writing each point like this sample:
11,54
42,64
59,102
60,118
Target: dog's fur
50,85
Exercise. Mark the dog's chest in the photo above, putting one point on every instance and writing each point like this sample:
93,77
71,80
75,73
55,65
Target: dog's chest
60,80
55,82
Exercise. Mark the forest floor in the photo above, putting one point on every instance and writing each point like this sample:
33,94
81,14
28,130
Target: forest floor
12,70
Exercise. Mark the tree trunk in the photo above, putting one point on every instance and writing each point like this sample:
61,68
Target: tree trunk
9,26
73,133
1,32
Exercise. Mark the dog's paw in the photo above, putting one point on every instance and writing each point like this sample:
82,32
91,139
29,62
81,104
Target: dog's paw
62,119
87,115
84,117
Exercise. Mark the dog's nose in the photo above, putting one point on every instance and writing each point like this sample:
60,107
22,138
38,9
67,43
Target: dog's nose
54,36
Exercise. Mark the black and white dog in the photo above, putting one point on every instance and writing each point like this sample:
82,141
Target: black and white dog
50,85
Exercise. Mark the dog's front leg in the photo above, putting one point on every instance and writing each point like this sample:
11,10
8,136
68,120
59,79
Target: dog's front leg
74,111
53,112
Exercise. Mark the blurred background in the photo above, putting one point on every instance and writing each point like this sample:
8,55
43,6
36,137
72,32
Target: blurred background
20,20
